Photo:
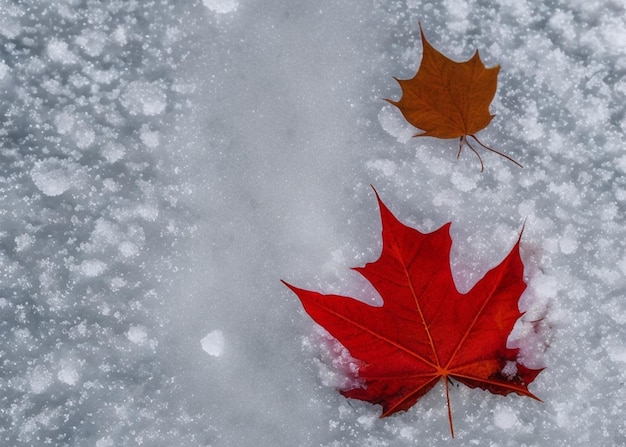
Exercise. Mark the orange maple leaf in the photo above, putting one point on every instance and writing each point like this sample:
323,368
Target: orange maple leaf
448,99
426,330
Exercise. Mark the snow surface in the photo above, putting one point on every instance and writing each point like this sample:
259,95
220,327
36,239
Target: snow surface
165,163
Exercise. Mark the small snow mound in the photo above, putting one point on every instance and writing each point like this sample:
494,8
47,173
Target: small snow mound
457,13
337,368
4,71
545,286
505,418
367,420
149,137
569,242
68,375
58,51
10,26
40,379
510,369
463,183
84,136
221,6
213,343
64,122
53,176
144,98
113,152
105,442
67,123
392,122
137,335
617,353
386,167
24,242
92,268
92,42
128,249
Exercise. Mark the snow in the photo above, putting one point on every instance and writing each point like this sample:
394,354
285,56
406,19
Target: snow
58,51
165,163
54,176
504,418
213,343
147,98
221,6
137,334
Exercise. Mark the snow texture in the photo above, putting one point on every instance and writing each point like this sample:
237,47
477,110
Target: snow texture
164,163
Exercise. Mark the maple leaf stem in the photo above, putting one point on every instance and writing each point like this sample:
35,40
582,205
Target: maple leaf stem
463,141
490,149
449,409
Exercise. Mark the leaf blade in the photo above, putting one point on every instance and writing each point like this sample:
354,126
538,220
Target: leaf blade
425,330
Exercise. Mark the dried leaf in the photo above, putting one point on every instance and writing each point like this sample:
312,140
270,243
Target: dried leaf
448,99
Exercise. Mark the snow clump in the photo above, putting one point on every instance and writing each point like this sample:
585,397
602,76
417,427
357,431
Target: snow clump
213,343
221,6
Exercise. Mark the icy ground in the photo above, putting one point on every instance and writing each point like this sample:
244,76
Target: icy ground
164,163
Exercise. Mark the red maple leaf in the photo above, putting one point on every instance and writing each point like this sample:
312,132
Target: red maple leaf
426,330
